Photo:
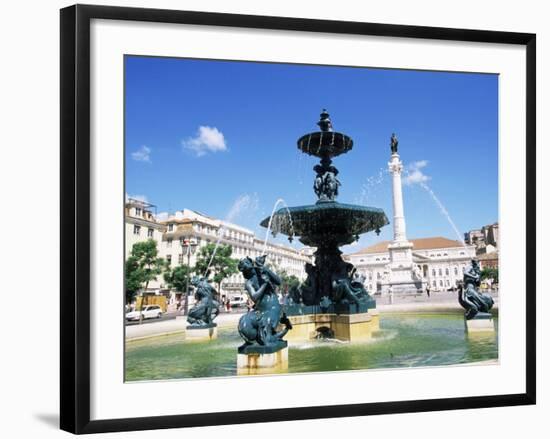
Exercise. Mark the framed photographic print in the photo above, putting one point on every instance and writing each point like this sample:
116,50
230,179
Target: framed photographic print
275,218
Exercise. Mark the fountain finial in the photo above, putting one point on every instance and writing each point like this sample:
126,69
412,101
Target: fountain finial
325,123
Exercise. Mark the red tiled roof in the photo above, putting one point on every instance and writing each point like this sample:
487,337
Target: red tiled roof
418,244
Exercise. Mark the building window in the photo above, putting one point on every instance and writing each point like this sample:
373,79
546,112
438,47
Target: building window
456,271
440,272
170,227
180,258
169,242
378,276
150,233
169,259
433,272
446,271
138,211
434,283
136,229
448,283
440,283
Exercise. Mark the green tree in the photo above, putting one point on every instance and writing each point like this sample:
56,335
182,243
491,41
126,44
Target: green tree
132,278
222,265
178,279
490,273
288,281
145,265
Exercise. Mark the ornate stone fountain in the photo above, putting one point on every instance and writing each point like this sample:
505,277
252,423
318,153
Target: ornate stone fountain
332,299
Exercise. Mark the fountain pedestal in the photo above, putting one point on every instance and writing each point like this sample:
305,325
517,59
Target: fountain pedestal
201,333
255,360
343,327
482,322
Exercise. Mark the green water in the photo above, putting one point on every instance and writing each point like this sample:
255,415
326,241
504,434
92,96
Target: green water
403,341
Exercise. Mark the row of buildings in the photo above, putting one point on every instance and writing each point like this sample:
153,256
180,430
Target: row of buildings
174,234
437,262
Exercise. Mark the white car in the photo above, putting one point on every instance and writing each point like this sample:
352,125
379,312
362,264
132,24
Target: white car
149,312
238,301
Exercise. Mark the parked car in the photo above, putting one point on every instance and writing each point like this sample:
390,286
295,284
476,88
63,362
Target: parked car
149,312
237,301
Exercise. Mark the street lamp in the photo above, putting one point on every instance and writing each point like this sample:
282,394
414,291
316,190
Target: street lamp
189,245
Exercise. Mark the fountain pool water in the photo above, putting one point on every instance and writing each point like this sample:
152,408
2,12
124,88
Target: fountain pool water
420,340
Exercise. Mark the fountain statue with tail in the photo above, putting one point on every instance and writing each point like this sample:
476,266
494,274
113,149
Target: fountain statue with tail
264,349
477,305
206,309
332,299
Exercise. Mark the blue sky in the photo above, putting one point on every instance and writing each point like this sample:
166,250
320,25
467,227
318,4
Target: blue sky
202,134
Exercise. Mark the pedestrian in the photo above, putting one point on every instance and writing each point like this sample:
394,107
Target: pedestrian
390,292
428,290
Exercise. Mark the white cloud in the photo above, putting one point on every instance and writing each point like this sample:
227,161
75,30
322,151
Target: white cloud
414,174
162,216
143,154
208,139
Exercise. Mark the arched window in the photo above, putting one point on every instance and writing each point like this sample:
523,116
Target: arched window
446,271
440,272
433,272
440,283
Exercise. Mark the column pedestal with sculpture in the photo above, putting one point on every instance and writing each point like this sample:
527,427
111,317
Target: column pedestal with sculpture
201,317
477,317
263,327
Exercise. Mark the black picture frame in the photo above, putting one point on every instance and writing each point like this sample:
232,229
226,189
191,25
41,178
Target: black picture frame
75,217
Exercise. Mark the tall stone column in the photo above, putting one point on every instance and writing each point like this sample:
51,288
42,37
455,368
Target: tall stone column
401,277
399,228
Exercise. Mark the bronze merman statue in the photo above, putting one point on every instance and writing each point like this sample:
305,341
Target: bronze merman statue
206,308
469,297
258,327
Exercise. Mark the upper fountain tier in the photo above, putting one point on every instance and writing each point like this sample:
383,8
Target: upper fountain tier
327,223
325,143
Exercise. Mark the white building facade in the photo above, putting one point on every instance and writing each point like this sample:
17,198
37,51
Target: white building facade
439,263
187,226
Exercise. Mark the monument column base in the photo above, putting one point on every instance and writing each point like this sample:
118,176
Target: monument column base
482,322
201,333
256,360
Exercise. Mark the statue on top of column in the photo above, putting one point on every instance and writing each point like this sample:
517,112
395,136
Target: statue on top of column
393,143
